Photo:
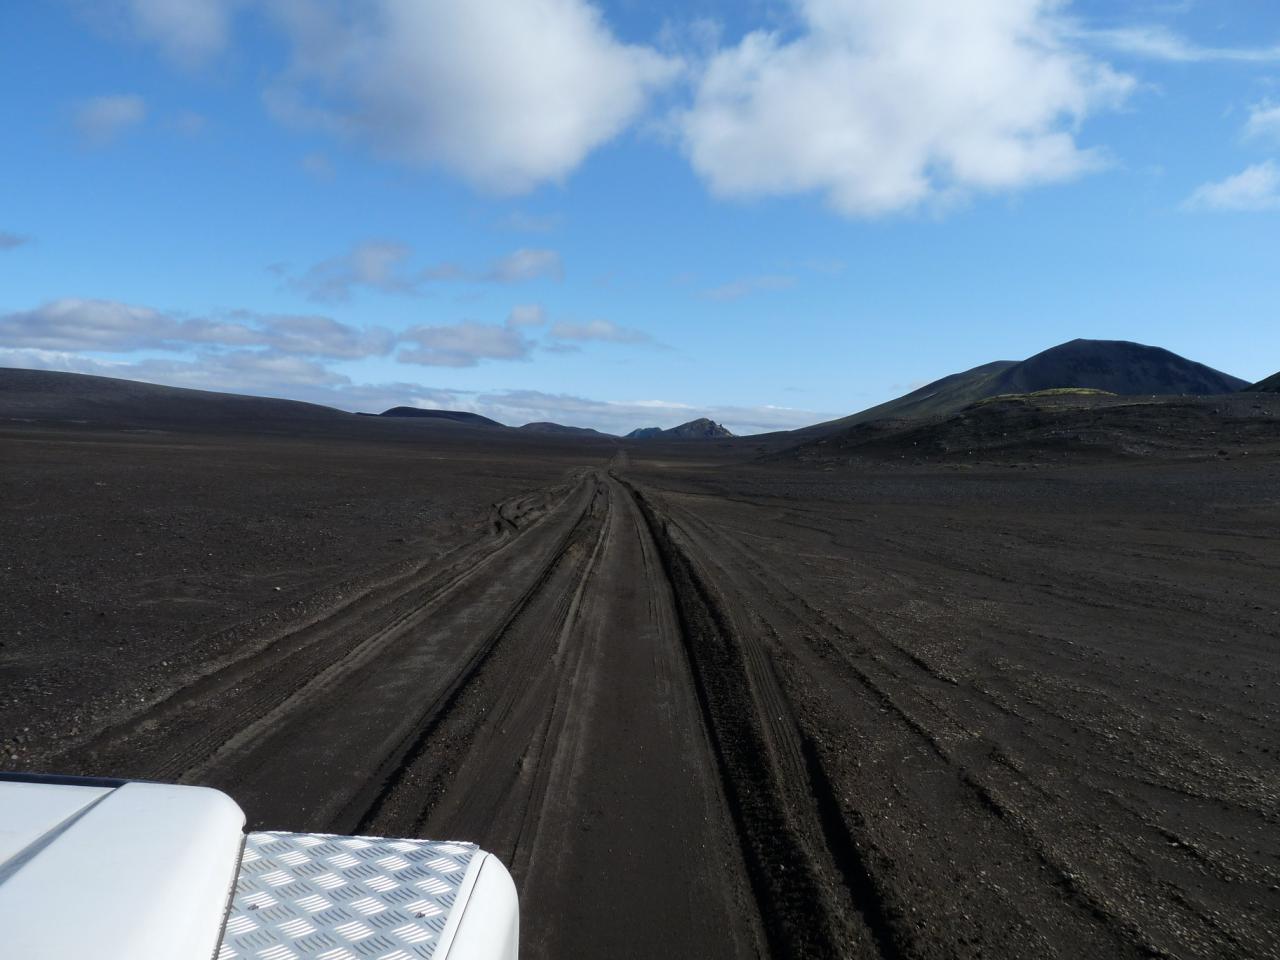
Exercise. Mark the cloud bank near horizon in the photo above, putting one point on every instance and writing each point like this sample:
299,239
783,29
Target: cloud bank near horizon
301,378
293,356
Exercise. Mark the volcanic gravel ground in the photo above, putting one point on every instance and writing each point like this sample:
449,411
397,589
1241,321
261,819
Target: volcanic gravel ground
700,707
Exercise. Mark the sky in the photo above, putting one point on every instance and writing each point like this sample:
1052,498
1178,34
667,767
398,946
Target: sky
615,213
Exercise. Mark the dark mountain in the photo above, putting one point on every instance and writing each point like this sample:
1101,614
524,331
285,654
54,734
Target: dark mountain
1269,385
48,395
700,429
544,426
1115,366
458,416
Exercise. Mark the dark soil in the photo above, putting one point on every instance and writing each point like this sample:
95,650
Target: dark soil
1062,428
1000,706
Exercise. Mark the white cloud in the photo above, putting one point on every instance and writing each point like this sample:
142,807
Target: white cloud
463,344
101,119
315,335
1263,122
109,326
602,330
378,264
526,264
9,241
506,93
883,105
1255,188
250,371
745,286
1157,42
74,324
189,31
527,315
384,265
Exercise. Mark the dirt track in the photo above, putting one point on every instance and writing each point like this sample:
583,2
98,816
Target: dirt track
718,710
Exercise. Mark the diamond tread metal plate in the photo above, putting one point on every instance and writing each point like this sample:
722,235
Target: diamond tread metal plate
317,896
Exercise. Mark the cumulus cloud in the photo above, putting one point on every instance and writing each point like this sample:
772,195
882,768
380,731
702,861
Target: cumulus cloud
9,241
109,326
1263,122
315,335
100,120
745,286
601,330
1255,188
526,264
882,105
527,315
506,93
463,344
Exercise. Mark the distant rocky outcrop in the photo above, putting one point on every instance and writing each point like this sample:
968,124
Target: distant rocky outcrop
458,416
700,429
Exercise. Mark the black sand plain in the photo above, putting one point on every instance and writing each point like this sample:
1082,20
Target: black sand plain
944,695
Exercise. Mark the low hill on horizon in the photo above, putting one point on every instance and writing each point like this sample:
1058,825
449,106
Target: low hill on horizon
702,428
1270,385
546,426
458,416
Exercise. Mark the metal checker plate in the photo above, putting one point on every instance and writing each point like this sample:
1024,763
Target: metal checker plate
318,896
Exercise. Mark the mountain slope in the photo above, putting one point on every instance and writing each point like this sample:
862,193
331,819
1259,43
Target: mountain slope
1117,366
700,429
53,395
952,392
458,416
1061,425
1269,385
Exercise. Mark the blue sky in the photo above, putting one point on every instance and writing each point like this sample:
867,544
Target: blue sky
621,214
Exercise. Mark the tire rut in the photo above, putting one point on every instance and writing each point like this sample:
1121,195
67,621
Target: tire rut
187,727
808,905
